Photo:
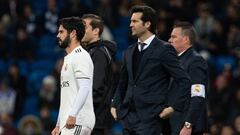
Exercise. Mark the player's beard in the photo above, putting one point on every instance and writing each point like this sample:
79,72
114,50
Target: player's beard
65,43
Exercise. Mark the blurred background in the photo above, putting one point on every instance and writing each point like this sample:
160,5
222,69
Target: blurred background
30,60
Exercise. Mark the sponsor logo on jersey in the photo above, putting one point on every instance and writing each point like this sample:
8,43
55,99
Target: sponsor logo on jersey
65,84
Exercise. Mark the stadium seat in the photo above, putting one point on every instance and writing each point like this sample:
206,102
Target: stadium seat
34,82
31,106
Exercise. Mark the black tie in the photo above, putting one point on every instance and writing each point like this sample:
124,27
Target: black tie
141,45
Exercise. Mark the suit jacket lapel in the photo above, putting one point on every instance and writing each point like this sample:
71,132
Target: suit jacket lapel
130,65
145,57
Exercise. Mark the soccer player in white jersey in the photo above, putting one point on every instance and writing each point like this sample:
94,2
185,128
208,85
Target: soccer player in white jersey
76,115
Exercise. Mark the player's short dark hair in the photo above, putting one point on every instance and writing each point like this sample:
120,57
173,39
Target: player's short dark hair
187,30
96,22
73,23
148,14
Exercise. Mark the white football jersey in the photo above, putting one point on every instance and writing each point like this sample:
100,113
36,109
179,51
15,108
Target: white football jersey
77,65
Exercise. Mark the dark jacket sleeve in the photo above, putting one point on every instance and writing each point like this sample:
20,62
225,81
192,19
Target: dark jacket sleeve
172,65
122,85
199,75
100,62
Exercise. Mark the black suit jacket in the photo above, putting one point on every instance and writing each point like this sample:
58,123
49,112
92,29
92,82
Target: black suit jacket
195,108
149,89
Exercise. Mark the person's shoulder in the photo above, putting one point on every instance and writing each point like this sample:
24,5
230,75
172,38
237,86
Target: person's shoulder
79,52
110,45
197,55
161,43
157,40
197,58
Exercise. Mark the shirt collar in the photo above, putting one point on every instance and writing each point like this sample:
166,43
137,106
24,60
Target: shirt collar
147,42
181,53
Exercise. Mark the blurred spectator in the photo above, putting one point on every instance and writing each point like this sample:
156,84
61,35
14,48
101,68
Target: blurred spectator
3,7
219,98
227,130
106,34
30,125
124,7
47,121
162,30
77,8
214,128
231,16
11,7
23,46
235,2
108,10
4,43
12,4
234,107
7,124
233,39
217,40
204,24
156,4
236,74
29,19
56,74
51,17
16,80
89,5
237,124
9,26
7,97
18,83
164,25
48,91
176,9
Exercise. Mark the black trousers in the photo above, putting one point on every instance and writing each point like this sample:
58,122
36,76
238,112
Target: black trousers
101,131
134,126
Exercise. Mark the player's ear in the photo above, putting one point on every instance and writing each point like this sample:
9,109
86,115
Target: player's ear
147,24
96,30
186,39
73,33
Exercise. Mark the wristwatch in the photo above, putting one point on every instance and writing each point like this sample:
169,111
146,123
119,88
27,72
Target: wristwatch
187,125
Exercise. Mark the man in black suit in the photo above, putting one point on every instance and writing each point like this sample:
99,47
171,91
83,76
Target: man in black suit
140,101
193,120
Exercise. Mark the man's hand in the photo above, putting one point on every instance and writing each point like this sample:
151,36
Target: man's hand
166,112
186,131
71,121
114,112
55,131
